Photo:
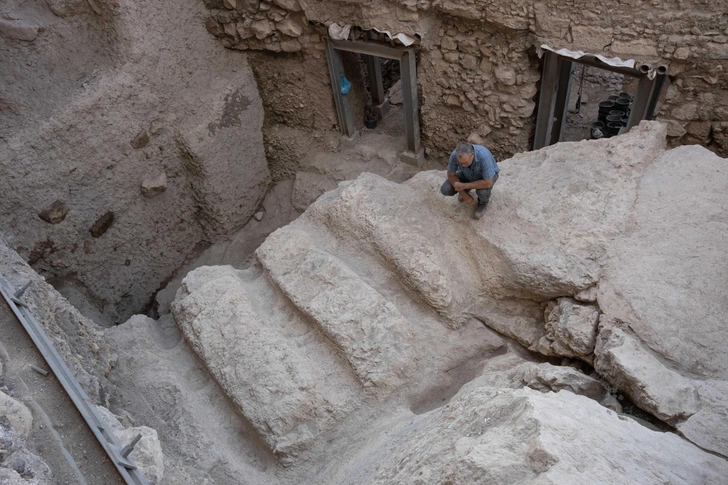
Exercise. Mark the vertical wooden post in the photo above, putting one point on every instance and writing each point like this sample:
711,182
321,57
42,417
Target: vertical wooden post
547,100
641,100
561,106
379,102
414,154
343,107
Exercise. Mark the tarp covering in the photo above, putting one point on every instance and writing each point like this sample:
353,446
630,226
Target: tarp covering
342,33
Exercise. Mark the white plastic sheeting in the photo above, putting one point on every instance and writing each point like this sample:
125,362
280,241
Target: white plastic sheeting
337,32
612,61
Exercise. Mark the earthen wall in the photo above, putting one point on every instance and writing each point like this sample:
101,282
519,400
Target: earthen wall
129,140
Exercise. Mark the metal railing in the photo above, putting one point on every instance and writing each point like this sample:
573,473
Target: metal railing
118,453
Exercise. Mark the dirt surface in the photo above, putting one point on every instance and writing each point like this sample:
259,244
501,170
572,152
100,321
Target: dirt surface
60,436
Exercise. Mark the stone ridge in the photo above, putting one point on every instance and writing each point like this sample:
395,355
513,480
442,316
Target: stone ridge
361,212
274,383
370,332
491,435
368,263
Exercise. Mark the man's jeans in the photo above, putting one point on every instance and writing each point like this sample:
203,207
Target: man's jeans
483,194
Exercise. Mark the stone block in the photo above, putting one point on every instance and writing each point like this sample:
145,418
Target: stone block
140,140
452,100
18,30
102,224
448,43
591,38
624,362
634,48
289,27
272,46
55,213
406,15
476,139
276,14
153,186
230,29
716,51
685,111
288,394
291,5
699,129
682,53
19,417
469,62
369,330
244,31
261,28
505,75
571,329
452,57
249,6
290,45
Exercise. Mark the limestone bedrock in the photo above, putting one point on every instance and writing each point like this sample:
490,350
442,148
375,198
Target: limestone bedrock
379,282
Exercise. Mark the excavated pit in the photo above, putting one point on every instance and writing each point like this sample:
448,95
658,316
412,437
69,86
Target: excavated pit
269,302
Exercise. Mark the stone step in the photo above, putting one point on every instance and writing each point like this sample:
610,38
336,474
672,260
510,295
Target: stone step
286,388
370,332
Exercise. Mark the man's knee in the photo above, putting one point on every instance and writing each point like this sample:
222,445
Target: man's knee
447,189
483,196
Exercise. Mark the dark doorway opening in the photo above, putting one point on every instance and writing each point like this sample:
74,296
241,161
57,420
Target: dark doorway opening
557,81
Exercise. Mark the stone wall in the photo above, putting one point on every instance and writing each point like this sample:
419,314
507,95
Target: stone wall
478,69
131,138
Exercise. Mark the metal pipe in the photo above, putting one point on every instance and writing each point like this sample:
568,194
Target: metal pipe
40,371
660,78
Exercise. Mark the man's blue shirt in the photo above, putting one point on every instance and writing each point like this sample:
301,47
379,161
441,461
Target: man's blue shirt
483,167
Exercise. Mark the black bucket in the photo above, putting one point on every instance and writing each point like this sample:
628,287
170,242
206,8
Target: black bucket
613,128
614,119
616,112
622,104
625,96
605,107
613,98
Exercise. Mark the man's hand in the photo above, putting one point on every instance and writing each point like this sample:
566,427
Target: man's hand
459,186
467,198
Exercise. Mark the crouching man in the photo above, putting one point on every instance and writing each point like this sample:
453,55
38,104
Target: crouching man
471,167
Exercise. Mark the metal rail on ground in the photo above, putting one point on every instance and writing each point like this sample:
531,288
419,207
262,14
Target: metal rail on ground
117,452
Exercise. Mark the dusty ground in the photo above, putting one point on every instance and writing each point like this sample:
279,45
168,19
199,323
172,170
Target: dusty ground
59,433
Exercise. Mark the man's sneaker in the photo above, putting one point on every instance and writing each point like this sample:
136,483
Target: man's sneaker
479,211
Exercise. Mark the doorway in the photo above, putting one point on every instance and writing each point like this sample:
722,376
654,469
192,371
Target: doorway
374,53
556,91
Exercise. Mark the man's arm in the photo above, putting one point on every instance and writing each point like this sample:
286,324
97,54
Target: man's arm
455,182
478,184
